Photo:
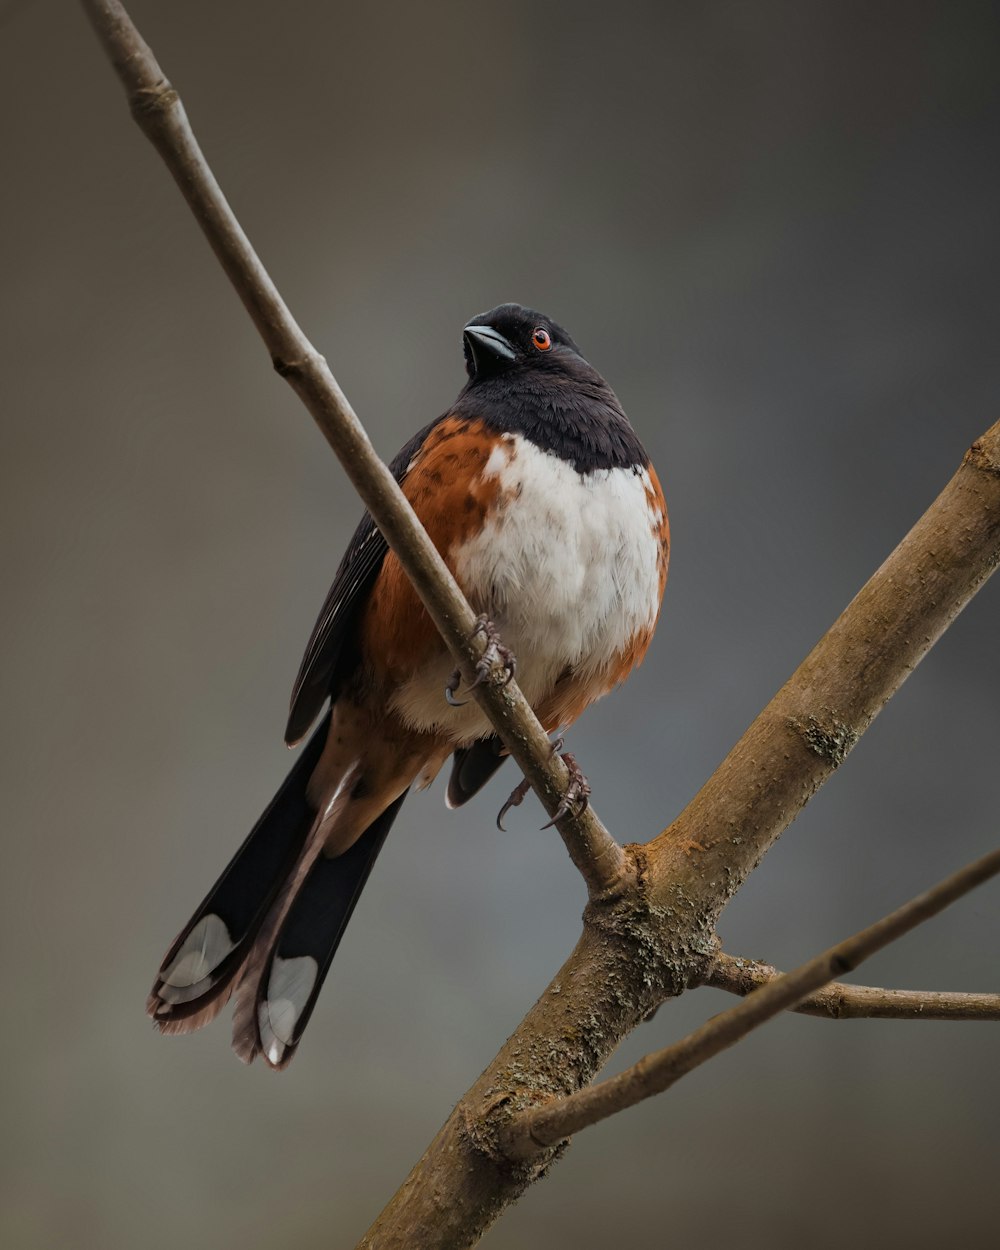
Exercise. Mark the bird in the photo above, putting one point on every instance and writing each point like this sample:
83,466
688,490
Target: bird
537,492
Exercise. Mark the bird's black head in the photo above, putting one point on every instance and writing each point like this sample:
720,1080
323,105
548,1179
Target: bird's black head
510,336
527,379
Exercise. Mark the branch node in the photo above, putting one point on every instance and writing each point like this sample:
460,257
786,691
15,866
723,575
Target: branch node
289,368
146,102
671,947
830,739
981,456
493,1127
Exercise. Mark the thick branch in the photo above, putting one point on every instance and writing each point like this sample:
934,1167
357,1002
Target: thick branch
159,112
545,1126
839,1001
813,722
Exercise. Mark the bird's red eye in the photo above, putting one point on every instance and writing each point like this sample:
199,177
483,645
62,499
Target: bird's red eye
541,339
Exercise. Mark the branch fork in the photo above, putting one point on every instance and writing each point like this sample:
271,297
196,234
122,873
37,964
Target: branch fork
544,1126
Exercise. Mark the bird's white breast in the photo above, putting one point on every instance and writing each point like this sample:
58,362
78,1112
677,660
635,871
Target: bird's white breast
566,565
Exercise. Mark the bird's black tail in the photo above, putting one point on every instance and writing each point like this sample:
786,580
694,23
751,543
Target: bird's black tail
292,955
277,904
200,969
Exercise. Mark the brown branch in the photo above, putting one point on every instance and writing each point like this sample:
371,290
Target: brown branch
839,1001
537,1129
157,109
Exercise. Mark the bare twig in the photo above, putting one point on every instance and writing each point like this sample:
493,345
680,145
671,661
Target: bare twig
157,109
546,1125
839,1001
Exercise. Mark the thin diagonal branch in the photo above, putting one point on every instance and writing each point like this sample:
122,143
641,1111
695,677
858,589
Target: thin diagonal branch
544,1126
157,109
839,1001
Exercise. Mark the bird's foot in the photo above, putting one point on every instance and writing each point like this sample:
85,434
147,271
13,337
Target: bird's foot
577,793
494,652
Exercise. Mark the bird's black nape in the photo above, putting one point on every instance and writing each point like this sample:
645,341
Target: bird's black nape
513,335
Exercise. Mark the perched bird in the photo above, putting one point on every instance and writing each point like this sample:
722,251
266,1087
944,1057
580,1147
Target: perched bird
538,494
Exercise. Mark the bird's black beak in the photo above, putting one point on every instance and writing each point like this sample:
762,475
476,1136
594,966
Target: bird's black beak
488,348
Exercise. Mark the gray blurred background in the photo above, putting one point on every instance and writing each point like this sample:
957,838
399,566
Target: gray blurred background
774,227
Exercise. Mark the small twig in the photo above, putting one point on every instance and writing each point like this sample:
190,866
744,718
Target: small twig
537,1129
839,1001
159,113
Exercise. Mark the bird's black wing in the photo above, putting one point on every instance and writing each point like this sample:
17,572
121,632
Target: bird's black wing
472,767
325,663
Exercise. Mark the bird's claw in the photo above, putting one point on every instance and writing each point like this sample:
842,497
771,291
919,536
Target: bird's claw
577,794
454,681
515,799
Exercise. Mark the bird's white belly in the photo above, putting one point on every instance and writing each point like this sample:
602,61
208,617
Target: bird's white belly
566,567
